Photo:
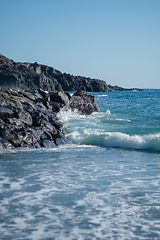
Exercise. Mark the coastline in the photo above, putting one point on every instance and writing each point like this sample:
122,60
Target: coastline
28,114
28,119
23,76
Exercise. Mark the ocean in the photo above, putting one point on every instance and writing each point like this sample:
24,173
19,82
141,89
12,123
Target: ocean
105,185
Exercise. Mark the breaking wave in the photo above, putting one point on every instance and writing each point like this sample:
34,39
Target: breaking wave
98,129
118,140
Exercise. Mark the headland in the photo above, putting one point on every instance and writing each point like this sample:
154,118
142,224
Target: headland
32,94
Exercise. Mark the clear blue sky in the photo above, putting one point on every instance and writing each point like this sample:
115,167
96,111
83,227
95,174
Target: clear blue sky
114,40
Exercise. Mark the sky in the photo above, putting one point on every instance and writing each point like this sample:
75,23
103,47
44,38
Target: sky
117,41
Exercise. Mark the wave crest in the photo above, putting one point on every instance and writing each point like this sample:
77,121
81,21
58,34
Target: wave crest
99,129
117,140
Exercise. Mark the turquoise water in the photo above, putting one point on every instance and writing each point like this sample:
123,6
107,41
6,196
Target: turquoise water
129,120
105,185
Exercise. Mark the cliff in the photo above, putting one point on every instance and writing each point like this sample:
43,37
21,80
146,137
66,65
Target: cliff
17,75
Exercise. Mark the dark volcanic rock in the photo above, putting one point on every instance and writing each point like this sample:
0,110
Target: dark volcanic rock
28,119
25,118
32,75
26,122
4,144
22,76
6,112
117,88
60,97
84,103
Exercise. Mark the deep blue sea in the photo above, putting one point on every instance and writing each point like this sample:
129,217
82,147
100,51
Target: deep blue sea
105,185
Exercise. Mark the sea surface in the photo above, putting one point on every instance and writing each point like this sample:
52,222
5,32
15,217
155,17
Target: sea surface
105,185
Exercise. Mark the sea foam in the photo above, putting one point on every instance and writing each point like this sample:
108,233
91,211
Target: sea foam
102,129
117,140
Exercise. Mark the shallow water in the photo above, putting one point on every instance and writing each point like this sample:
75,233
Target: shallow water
70,193
106,185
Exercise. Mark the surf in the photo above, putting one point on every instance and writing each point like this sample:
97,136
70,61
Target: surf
125,128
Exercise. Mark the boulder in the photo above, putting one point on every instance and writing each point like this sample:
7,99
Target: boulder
4,144
59,97
16,124
6,112
56,107
11,136
84,103
28,95
26,122
25,117
42,93
10,102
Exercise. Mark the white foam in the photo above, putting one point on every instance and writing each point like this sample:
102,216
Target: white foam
84,197
116,139
121,119
103,95
99,129
64,116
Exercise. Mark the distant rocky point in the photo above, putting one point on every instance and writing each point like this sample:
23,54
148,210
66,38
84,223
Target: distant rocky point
21,76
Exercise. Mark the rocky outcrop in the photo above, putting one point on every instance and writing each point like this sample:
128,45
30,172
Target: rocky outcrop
29,118
18,75
84,103
27,75
117,88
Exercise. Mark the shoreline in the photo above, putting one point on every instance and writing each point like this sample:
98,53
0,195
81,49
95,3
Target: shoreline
28,119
